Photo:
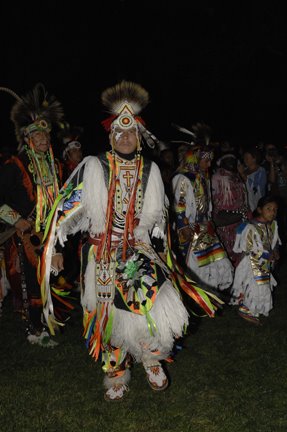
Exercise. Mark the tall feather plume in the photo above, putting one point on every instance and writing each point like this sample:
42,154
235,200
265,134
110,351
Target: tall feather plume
114,97
35,105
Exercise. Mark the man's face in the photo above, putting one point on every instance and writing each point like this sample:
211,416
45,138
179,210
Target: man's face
248,159
124,141
204,164
75,155
40,140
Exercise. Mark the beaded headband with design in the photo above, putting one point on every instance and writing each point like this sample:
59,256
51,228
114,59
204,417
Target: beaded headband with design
206,154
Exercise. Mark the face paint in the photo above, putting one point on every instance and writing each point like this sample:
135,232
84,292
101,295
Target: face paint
118,135
125,141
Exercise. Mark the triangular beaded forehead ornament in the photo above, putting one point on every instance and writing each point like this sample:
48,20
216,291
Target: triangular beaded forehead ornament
126,119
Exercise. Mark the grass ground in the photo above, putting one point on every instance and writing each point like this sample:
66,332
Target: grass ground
230,376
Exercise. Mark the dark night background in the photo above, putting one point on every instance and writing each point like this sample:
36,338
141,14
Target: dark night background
223,63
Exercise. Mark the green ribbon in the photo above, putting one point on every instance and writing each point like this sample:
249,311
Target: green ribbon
109,328
151,324
66,193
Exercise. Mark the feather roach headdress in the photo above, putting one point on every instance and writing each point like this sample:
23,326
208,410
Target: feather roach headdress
124,102
200,135
35,111
187,132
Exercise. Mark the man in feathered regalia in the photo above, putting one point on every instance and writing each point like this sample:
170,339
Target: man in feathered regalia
29,184
132,309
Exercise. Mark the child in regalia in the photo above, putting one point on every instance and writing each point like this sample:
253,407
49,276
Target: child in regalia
258,241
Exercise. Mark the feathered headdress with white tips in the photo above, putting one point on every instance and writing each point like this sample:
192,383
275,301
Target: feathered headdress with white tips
35,111
124,102
200,134
185,131
125,93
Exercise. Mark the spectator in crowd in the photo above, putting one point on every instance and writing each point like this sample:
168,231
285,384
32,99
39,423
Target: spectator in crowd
230,202
254,176
275,163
